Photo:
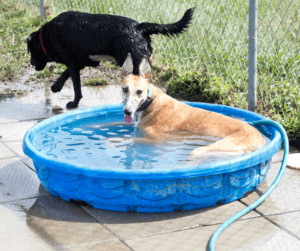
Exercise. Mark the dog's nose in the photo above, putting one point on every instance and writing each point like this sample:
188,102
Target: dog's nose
127,113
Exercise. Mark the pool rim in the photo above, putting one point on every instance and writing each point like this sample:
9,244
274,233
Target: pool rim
215,168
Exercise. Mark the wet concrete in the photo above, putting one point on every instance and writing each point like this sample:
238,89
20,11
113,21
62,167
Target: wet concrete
41,221
33,219
42,103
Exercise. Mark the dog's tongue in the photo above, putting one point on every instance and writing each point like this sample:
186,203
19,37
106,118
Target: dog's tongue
128,119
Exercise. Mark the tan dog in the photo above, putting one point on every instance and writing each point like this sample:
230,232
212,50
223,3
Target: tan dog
160,117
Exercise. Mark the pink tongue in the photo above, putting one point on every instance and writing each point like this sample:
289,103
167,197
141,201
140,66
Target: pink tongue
128,119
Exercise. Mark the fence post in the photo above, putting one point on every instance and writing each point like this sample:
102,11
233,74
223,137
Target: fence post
252,99
42,9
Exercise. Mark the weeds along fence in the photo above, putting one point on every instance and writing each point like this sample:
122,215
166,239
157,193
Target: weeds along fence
210,61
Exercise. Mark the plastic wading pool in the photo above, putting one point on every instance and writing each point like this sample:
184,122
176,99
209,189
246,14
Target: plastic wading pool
152,190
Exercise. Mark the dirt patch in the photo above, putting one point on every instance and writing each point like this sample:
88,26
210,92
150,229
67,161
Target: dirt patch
29,81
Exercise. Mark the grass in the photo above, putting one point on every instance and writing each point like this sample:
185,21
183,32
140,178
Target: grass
16,23
96,81
47,72
110,65
12,48
209,62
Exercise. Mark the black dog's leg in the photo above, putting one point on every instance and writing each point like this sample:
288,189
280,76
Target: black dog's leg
59,84
75,75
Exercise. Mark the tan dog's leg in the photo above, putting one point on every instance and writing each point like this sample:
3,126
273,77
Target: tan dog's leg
232,145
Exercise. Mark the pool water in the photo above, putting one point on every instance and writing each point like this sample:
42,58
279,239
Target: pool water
111,145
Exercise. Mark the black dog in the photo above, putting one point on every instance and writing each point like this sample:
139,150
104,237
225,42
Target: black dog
71,37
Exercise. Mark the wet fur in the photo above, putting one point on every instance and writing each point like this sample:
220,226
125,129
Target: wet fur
166,116
71,37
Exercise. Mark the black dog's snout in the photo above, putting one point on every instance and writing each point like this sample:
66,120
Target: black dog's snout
128,113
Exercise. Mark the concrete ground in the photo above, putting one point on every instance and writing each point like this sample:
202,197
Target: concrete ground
31,219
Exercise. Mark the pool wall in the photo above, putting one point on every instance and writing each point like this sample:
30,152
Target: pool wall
153,195
161,190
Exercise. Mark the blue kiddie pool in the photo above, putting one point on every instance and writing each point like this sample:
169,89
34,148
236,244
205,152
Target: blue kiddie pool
89,155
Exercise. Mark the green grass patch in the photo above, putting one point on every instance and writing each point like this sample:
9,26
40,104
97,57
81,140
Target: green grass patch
96,81
47,72
20,92
16,24
110,65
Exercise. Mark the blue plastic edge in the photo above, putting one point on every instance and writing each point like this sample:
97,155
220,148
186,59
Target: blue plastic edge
238,163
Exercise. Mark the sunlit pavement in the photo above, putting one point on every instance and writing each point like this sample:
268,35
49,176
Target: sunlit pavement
33,219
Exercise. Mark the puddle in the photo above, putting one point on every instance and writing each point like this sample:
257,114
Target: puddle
8,89
40,102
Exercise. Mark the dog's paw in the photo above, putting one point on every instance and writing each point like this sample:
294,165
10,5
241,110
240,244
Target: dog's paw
72,105
56,87
197,152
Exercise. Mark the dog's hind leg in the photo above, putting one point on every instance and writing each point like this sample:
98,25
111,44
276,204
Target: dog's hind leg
59,84
233,144
75,75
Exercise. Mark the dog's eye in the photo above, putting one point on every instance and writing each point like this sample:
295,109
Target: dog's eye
125,89
139,92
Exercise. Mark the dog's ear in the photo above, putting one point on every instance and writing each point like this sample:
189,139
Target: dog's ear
127,66
145,68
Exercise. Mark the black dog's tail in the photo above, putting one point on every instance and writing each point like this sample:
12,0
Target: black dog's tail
167,29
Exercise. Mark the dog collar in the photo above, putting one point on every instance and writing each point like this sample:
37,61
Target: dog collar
43,47
41,40
147,102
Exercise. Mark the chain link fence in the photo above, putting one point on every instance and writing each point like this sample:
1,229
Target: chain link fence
217,44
